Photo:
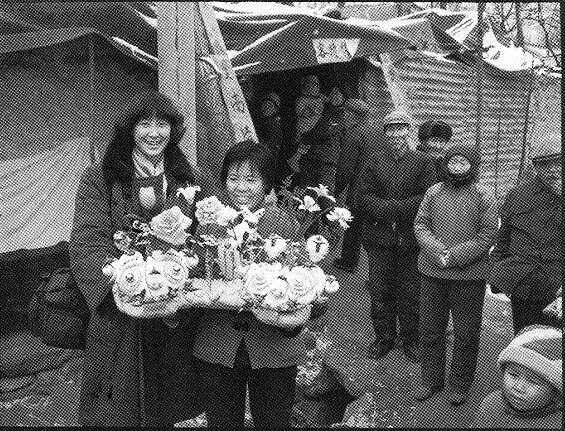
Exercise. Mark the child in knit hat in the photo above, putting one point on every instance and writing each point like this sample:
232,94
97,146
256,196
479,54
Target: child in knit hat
532,385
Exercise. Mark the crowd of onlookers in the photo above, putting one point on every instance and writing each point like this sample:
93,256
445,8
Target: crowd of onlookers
435,237
432,233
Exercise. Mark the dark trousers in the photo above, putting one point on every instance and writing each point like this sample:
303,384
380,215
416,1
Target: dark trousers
465,300
271,393
527,312
394,283
351,245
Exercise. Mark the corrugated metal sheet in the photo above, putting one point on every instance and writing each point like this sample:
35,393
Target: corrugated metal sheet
445,90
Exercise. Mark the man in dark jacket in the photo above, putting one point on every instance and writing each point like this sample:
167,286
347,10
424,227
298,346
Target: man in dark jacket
320,146
389,193
526,261
357,145
434,136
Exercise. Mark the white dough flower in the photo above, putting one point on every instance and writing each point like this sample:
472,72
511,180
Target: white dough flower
341,215
309,204
317,247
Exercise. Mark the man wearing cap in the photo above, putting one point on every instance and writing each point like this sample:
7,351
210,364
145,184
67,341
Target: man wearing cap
526,260
434,136
358,143
389,194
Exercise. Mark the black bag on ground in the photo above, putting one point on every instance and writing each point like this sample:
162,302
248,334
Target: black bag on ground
58,313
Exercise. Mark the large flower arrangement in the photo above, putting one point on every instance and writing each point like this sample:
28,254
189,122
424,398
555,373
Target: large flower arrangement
150,275
228,264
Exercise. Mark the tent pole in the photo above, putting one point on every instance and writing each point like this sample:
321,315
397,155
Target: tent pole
175,46
526,123
92,150
479,77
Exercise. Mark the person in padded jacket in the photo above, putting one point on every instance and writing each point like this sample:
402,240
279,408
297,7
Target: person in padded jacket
256,350
136,372
455,227
389,191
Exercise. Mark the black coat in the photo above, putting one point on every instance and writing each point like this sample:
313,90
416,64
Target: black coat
113,390
358,145
528,246
389,194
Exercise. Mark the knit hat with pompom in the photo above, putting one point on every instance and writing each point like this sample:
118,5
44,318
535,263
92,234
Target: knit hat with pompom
538,348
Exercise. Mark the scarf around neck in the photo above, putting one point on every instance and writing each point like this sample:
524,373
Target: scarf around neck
145,168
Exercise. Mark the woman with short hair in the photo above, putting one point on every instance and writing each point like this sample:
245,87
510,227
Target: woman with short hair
258,350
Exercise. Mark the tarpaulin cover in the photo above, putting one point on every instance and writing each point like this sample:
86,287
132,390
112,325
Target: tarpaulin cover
37,196
266,36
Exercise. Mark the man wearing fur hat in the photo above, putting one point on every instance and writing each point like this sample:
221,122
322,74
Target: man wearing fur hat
434,136
526,261
389,193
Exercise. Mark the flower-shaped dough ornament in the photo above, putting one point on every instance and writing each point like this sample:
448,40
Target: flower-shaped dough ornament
171,226
317,247
158,278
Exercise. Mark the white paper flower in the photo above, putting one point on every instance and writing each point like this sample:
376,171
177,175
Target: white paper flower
322,190
188,192
259,278
332,285
301,285
341,215
226,216
277,298
170,226
238,232
317,247
207,210
274,246
320,279
309,204
250,217
122,241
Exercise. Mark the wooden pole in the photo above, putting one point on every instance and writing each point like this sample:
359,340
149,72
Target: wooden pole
479,77
526,125
93,151
519,29
175,47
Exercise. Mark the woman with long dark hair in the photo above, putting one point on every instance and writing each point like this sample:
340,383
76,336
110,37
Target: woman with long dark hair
137,372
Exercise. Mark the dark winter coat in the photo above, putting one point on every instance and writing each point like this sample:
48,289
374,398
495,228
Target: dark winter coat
358,145
324,139
389,194
112,391
268,346
528,244
461,220
457,215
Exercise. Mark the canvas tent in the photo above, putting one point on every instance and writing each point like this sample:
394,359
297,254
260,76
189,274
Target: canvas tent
61,92
435,82
259,36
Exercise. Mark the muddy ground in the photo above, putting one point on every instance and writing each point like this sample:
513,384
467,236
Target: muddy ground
384,388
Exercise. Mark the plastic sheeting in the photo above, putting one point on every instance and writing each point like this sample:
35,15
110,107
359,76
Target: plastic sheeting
37,196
